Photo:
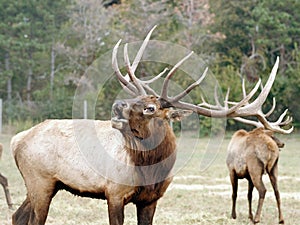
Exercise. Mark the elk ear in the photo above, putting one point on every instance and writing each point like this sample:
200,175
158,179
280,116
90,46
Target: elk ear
178,114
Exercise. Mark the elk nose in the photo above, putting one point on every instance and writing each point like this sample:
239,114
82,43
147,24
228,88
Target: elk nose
118,107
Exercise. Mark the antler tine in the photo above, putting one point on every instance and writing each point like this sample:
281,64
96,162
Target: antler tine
217,97
244,101
138,86
128,90
272,109
207,105
243,87
145,83
138,58
130,72
255,106
140,53
286,121
226,98
154,78
275,126
250,122
243,91
266,90
191,87
129,87
216,111
164,92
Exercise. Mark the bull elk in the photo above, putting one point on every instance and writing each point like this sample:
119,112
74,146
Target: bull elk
252,154
4,183
139,143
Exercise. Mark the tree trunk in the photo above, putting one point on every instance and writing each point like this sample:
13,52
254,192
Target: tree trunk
52,73
29,79
9,84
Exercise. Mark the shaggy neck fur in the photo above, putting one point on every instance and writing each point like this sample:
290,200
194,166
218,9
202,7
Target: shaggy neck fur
152,148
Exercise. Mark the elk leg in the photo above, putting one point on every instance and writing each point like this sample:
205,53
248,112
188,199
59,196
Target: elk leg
32,214
21,216
115,211
4,183
34,209
259,185
145,213
273,178
234,183
250,190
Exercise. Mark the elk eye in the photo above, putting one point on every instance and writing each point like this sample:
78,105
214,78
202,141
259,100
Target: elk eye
150,109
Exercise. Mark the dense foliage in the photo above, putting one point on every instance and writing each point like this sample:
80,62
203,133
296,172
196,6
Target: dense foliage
252,35
47,48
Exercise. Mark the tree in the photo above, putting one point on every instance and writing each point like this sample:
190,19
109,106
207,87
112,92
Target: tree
252,34
28,30
85,36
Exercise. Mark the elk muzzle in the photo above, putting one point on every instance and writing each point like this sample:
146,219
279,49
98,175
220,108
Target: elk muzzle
119,114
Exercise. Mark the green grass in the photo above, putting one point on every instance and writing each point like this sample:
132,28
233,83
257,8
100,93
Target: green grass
207,202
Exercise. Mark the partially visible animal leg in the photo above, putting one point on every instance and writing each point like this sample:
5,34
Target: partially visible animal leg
250,190
259,185
234,183
145,213
273,178
4,183
115,211
34,209
21,216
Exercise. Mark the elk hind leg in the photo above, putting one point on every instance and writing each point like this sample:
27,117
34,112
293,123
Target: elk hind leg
273,178
21,216
250,191
234,183
4,184
34,209
256,177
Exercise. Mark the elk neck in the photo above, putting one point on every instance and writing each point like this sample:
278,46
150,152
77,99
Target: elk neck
150,142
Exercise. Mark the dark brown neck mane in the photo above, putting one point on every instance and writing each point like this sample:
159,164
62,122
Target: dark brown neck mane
152,149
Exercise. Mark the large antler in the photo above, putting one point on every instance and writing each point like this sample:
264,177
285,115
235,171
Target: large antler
262,117
136,86
236,110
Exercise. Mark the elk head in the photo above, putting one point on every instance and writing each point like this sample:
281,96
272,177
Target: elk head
144,123
135,113
148,104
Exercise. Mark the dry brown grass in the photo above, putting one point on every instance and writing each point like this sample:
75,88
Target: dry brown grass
208,200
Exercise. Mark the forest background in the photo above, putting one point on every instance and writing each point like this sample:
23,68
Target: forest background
46,47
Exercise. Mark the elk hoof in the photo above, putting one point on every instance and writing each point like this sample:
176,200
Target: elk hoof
250,217
233,216
281,221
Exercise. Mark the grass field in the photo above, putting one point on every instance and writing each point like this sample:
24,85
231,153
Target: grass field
195,196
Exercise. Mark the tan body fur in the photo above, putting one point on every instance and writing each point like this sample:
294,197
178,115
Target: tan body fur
250,155
135,161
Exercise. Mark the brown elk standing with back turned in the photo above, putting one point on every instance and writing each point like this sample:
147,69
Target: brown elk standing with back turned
4,183
49,155
252,154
